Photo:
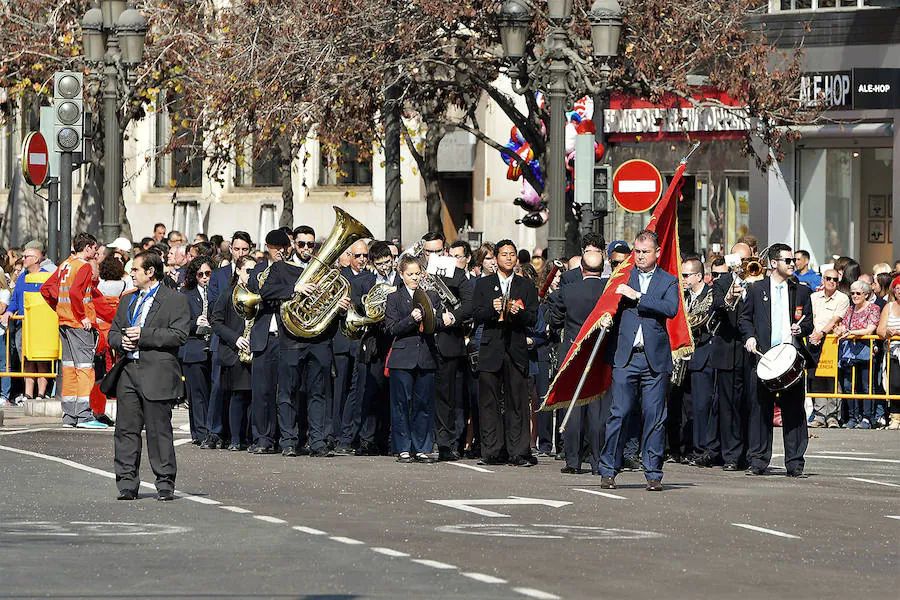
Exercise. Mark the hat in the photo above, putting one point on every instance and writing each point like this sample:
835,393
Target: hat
34,245
618,246
279,238
121,244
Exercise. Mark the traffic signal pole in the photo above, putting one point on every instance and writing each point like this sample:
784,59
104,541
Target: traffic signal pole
65,204
53,221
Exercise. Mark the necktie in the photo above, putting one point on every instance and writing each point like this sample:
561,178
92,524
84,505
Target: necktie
777,308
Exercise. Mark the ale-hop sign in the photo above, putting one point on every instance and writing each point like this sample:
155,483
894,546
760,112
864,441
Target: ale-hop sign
854,89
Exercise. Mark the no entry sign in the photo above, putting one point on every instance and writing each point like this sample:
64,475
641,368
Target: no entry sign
637,185
35,159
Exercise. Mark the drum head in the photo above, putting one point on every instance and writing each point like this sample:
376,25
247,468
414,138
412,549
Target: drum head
778,360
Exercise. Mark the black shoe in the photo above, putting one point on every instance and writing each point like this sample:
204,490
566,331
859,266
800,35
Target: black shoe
102,418
798,473
673,458
127,495
303,451
570,471
654,485
730,466
235,447
756,471
252,448
631,463
701,460
165,495
424,458
490,462
367,449
196,442
264,450
521,461
208,444
607,483
447,455
344,451
321,453
289,451
560,456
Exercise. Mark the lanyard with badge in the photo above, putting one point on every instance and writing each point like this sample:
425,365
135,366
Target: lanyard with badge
135,317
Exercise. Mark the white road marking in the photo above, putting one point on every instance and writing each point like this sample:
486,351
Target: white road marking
346,540
434,564
893,517
389,552
236,509
533,593
26,430
269,519
764,530
473,467
308,530
846,452
483,578
857,458
200,499
471,505
182,442
604,494
885,483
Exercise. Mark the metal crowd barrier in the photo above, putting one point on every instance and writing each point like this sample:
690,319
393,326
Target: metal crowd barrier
828,368
7,373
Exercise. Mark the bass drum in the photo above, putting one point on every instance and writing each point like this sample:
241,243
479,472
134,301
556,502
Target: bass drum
780,367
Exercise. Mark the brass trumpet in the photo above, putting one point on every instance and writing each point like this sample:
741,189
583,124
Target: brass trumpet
246,304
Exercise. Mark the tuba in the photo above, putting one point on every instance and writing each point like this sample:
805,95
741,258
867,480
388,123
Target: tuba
355,325
309,316
246,304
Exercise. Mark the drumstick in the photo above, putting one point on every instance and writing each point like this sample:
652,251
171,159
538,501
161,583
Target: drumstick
760,355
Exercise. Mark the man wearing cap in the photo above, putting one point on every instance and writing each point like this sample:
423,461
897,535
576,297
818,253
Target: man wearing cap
265,345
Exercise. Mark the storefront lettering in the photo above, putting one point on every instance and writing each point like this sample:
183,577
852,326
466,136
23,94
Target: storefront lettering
869,88
677,120
833,89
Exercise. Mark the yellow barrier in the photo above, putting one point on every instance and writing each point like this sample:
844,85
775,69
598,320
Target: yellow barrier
40,328
828,368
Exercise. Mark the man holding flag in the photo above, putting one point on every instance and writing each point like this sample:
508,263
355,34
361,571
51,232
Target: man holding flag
652,327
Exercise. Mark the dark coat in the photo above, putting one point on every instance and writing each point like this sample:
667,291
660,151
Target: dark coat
507,336
451,340
165,330
755,319
702,338
726,349
571,305
651,312
229,326
219,283
341,344
278,288
259,335
376,343
410,348
196,348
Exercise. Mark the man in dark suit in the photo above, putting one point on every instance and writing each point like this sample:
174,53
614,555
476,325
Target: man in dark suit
692,409
569,309
777,311
148,330
728,360
451,351
345,396
265,345
642,361
304,364
371,425
507,306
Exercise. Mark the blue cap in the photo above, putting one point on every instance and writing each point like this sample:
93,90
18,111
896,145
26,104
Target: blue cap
618,246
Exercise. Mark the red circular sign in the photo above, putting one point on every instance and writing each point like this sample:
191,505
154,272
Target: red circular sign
637,185
35,159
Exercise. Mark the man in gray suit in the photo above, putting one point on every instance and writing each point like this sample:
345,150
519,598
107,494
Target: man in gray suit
149,329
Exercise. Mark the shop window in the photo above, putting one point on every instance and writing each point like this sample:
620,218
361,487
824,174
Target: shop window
179,153
788,5
347,168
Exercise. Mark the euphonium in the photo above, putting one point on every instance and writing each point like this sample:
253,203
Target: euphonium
309,316
354,325
246,304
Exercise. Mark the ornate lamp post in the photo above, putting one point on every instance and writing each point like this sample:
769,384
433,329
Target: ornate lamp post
556,68
113,35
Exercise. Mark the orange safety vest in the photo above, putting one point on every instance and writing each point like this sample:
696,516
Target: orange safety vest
67,274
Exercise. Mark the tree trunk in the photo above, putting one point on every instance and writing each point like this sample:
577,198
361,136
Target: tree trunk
287,188
392,124
434,203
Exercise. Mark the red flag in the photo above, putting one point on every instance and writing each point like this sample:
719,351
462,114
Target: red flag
665,223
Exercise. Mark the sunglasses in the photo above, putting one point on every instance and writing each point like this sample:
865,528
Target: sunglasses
787,261
834,279
716,275
434,251
615,263
204,273
857,293
686,275
305,244
360,256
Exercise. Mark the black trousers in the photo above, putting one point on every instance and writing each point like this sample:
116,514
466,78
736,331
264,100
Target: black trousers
265,381
468,410
582,438
197,379
794,424
445,401
544,418
734,412
135,413
680,419
344,396
374,427
306,369
505,412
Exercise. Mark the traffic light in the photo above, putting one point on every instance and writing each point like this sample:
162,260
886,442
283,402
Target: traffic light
68,111
602,188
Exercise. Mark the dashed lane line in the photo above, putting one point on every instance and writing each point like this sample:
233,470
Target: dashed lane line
892,461
598,493
182,442
769,531
481,577
893,517
872,481
472,467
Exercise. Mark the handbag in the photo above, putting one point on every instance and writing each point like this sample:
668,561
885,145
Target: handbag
111,380
853,352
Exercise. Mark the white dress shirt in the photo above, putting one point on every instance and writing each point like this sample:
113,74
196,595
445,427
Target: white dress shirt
781,313
644,282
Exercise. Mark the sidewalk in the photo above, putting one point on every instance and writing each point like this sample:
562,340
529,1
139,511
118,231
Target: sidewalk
14,416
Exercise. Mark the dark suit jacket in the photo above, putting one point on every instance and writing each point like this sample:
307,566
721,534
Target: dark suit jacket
755,320
376,343
279,287
410,348
572,304
219,283
659,304
726,349
164,332
451,340
229,326
702,338
341,344
195,348
259,335
508,336
570,276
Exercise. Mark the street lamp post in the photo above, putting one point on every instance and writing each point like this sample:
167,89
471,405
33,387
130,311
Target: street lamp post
114,36
556,68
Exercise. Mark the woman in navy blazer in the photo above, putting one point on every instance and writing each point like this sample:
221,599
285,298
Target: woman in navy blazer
412,362
236,375
195,355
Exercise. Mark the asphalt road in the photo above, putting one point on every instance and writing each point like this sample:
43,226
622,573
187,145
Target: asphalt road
345,528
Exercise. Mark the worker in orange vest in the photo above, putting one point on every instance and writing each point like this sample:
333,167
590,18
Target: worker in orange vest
69,292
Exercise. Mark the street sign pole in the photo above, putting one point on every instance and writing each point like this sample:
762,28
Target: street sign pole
65,204
53,221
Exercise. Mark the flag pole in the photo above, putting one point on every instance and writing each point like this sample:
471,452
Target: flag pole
587,369
693,149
